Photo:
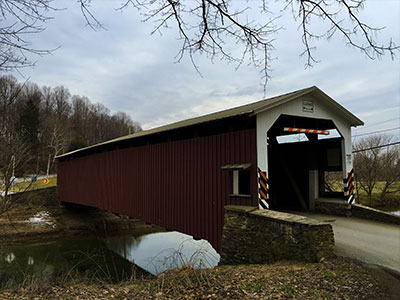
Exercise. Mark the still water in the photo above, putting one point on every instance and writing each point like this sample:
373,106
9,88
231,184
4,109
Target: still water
109,259
158,252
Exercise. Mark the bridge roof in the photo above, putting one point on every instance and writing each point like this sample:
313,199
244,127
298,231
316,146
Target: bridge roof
248,109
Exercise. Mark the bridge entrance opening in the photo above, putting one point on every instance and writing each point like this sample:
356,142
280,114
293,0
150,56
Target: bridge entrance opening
298,163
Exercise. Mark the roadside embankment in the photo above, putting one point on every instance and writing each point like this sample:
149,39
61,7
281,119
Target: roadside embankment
37,216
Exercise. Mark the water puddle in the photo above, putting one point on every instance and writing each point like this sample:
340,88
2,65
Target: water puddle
41,218
107,259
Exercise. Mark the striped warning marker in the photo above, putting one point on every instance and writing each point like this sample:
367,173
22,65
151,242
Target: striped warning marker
302,130
263,189
349,187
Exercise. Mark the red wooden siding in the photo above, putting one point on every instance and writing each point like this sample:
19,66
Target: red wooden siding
175,184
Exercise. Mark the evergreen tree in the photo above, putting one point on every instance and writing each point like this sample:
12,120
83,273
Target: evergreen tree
28,125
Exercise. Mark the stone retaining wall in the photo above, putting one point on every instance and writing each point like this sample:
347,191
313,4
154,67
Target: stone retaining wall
365,212
264,236
355,210
333,208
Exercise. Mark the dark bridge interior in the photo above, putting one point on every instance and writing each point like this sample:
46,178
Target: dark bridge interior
289,163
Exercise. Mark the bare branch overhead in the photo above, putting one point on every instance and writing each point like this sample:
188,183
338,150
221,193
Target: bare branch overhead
211,27
19,20
239,32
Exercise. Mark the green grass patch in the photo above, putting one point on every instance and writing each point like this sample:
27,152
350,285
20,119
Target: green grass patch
289,291
319,294
254,286
28,186
391,202
329,274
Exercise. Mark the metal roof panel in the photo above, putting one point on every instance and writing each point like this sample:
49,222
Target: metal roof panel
252,108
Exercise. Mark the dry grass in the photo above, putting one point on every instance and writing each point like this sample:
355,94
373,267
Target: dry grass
336,278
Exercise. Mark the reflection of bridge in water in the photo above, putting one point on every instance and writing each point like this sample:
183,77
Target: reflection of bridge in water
157,252
108,259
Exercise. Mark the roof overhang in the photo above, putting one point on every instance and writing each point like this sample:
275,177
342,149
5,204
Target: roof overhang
316,92
248,109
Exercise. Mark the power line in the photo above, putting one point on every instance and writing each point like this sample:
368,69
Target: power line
376,147
379,131
379,123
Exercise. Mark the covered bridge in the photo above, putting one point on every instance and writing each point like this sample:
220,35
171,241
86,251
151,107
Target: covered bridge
180,176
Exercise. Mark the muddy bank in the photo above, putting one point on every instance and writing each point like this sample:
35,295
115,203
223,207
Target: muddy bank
37,218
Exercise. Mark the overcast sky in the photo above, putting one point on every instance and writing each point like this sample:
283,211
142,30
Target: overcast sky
127,69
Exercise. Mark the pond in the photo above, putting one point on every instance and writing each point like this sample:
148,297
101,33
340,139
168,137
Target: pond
107,259
158,252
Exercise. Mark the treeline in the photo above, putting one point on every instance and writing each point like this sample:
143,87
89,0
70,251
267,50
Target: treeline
39,123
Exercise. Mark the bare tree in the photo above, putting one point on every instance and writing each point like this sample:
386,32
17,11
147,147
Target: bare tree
209,27
366,164
206,27
55,123
122,124
377,168
13,155
80,114
389,172
20,19
47,104
14,152
9,91
62,105
98,120
57,142
62,125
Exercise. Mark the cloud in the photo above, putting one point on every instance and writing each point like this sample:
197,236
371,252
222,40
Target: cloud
127,69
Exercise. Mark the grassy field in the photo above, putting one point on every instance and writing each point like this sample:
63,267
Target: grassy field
27,185
392,200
